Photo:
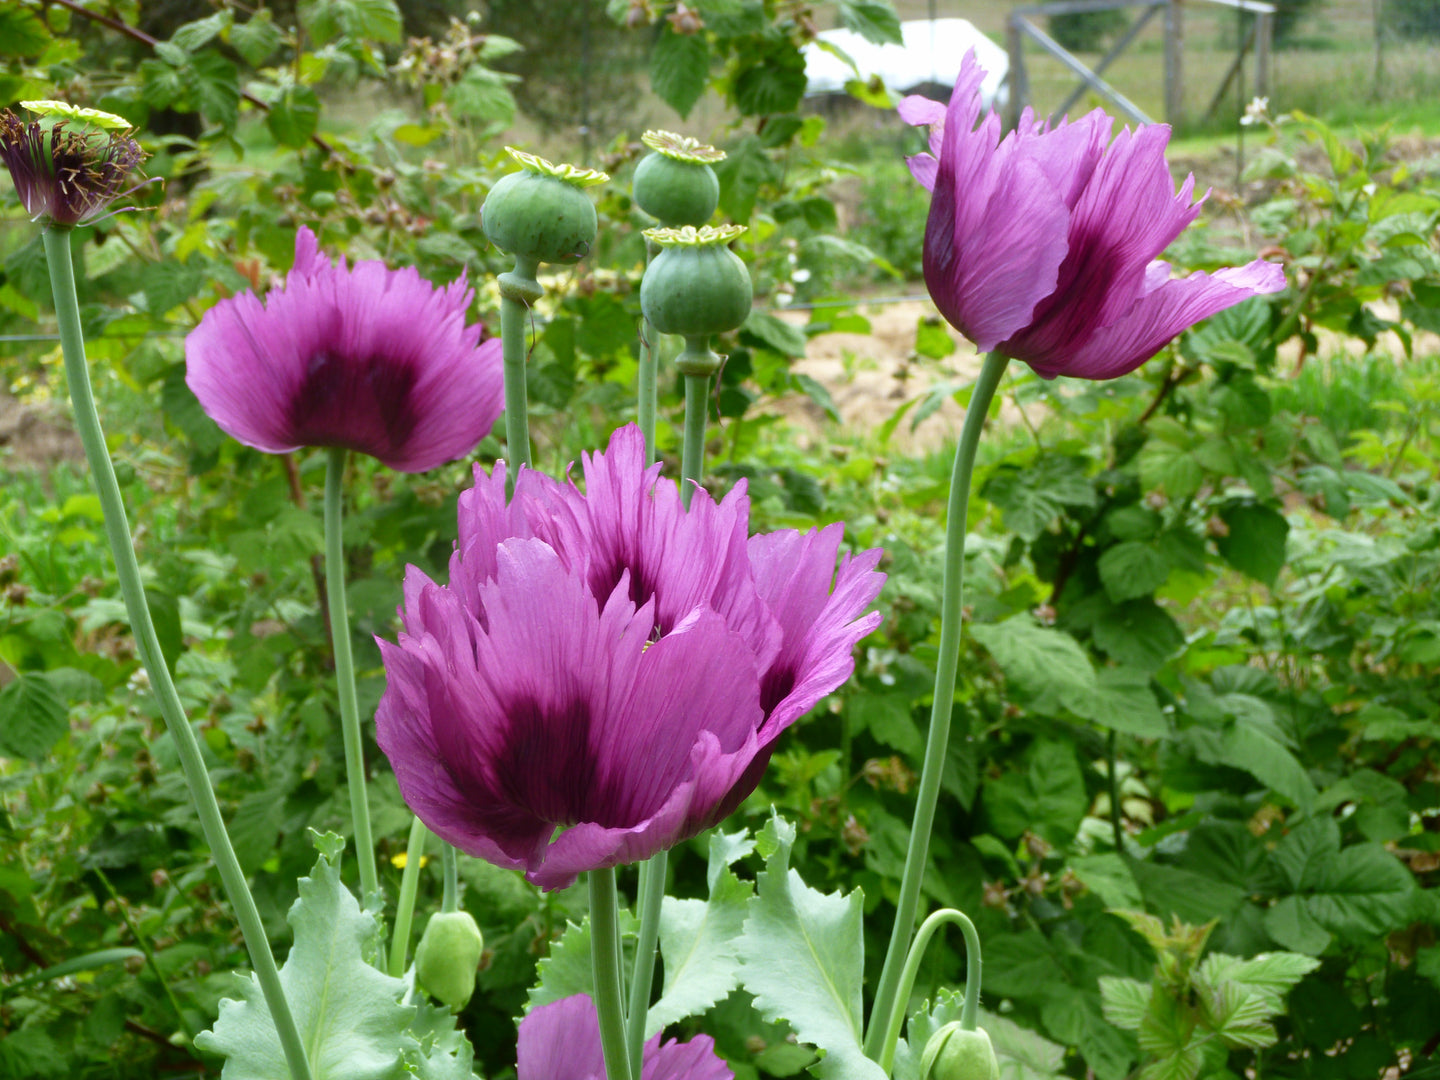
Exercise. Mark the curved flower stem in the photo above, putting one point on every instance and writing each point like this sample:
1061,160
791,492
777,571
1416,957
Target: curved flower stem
649,897
518,290
345,672
692,459
937,741
192,764
605,964
405,909
969,1011
450,900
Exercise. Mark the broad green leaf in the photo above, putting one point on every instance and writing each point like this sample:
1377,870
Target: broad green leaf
294,116
1125,1001
1048,798
445,1053
257,38
1177,1065
214,84
91,961
1046,667
741,175
168,284
1427,964
887,717
1019,965
1139,633
254,828
1255,543
349,1014
774,83
1123,701
33,716
1268,976
197,34
874,20
360,20
700,941
932,339
1363,893
483,95
1023,1054
1196,898
775,333
1132,569
1290,923
1074,1016
1238,1017
679,69
1246,746
1108,877
1032,496
803,955
22,32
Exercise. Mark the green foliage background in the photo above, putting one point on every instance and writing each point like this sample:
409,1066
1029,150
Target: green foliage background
1199,673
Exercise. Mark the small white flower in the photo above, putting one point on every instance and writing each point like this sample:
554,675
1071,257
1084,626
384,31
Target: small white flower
1256,112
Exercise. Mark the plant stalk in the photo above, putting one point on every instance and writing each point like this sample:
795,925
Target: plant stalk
518,290
969,1011
647,379
938,739
649,897
605,963
345,672
449,863
692,459
405,908
127,569
1114,782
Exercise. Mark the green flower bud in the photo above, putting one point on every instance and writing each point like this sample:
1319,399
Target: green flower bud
541,214
676,184
696,287
448,954
956,1054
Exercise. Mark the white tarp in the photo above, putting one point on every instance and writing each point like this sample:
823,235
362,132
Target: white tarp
931,54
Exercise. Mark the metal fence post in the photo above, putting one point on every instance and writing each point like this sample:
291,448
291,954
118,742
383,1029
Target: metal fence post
1174,62
1019,84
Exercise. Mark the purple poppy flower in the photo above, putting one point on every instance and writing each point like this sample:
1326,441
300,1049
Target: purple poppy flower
561,1041
368,358
1043,245
608,663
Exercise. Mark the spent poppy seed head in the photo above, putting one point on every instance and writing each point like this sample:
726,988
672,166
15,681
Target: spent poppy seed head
367,358
608,664
1044,244
70,164
561,1041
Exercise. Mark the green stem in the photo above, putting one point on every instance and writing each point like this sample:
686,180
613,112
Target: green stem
692,459
645,403
937,741
187,748
605,962
648,898
405,909
518,290
450,900
1114,793
345,672
144,943
969,1011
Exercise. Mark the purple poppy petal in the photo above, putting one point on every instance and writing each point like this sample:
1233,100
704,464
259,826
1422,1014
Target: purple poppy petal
996,234
793,572
335,359
1162,313
561,1041
923,168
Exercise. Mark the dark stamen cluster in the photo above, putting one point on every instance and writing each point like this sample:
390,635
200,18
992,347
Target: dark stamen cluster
66,177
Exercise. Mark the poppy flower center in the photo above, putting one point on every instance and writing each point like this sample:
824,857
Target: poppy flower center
334,397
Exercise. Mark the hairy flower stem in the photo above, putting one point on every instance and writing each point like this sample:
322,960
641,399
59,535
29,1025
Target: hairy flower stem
192,764
649,897
405,908
692,459
518,290
345,672
648,377
937,742
969,1011
605,963
449,863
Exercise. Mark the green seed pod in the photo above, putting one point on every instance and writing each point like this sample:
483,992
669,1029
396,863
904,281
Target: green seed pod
541,214
956,1054
676,184
448,954
696,287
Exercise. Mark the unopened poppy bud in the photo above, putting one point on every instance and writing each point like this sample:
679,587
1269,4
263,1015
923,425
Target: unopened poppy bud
448,954
675,184
696,287
540,214
956,1054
